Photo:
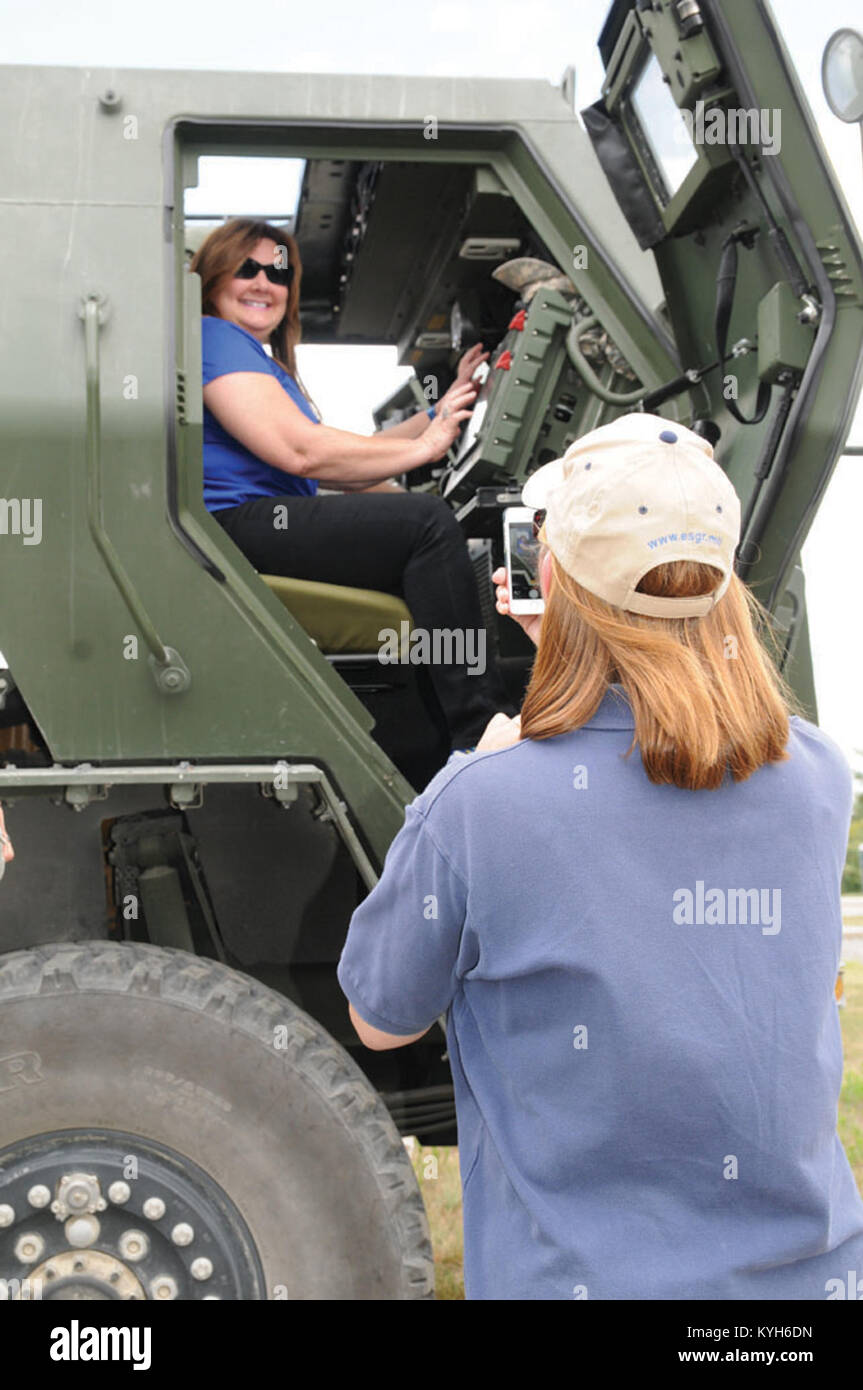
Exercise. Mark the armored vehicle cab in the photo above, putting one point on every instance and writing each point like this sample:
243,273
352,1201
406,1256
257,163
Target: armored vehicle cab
202,769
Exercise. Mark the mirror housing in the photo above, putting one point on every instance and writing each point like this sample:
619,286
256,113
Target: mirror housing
842,75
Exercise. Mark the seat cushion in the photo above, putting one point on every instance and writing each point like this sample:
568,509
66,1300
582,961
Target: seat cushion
338,618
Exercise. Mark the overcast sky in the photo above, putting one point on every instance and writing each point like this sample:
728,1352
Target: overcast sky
485,38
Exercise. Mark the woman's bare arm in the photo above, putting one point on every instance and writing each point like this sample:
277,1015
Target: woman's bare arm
410,428
256,410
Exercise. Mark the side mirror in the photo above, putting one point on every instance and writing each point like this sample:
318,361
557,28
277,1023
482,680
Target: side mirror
842,75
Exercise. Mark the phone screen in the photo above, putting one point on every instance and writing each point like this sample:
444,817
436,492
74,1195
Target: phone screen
524,561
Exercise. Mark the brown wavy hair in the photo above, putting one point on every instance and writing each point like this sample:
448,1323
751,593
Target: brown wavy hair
705,693
219,258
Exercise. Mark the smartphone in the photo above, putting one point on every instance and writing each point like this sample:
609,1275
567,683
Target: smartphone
521,550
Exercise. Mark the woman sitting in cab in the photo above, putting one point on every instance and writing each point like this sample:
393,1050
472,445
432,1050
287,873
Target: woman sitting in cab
265,447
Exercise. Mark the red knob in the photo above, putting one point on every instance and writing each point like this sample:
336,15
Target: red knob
504,362
518,320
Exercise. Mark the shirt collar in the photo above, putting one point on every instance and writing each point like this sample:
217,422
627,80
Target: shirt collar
614,711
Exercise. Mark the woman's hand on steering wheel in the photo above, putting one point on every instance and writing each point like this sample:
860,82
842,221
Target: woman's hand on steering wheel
469,362
455,408
464,375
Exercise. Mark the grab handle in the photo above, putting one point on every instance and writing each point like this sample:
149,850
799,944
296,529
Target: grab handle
170,672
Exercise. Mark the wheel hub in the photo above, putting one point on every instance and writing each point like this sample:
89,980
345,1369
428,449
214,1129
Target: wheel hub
80,1274
100,1215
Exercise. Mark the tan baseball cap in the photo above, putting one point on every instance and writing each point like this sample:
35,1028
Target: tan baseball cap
632,495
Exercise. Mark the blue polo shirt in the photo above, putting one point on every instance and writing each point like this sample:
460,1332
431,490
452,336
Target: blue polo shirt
232,473
641,1022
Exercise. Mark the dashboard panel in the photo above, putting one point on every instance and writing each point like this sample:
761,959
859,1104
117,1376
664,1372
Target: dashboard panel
522,414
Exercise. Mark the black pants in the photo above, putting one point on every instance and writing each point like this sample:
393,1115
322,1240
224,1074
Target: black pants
405,544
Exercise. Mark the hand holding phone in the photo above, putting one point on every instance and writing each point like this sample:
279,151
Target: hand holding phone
529,623
521,550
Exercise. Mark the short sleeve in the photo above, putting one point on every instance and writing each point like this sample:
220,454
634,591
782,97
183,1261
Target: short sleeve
399,966
226,348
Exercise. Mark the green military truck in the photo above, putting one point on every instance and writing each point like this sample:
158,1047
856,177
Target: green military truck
203,767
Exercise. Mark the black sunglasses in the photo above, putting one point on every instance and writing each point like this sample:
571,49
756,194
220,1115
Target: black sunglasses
538,523
277,275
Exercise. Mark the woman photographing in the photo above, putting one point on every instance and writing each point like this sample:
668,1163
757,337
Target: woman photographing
628,905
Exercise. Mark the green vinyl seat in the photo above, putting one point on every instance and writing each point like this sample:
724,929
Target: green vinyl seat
340,619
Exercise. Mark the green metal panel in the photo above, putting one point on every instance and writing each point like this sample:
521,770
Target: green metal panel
784,343
795,181
807,203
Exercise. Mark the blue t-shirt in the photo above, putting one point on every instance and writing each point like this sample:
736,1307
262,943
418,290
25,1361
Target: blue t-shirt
642,1028
232,473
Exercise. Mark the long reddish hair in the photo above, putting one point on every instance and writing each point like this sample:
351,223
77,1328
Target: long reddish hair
706,696
219,258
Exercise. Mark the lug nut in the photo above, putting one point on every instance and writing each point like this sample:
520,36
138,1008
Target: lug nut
201,1268
82,1231
7,1215
29,1247
154,1208
119,1192
39,1195
182,1233
133,1245
79,1195
163,1287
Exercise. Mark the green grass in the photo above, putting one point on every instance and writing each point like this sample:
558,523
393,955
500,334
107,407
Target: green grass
851,1098
438,1172
440,1184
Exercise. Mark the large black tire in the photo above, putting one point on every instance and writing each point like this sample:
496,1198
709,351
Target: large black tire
220,1070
